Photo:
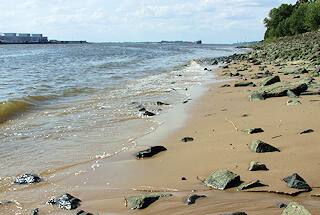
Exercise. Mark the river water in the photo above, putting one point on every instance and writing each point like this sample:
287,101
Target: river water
62,105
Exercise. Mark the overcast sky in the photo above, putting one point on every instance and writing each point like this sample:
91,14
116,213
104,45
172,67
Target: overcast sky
212,21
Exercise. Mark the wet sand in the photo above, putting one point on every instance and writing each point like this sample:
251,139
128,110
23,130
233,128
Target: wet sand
216,146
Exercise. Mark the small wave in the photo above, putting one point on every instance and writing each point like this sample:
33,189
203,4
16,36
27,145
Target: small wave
14,107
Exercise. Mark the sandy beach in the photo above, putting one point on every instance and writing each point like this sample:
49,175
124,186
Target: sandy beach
212,120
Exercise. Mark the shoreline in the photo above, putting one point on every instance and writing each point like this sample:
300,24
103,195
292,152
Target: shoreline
217,145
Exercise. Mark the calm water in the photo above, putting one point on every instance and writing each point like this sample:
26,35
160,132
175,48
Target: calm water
61,105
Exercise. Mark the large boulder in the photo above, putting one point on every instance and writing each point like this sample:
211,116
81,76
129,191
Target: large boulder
27,179
260,147
277,90
151,151
143,201
222,180
295,209
297,182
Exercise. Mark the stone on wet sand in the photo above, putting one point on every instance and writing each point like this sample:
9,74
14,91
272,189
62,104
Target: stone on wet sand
253,184
151,151
82,212
297,182
293,102
193,197
294,208
148,113
143,201
187,139
243,84
252,130
238,213
66,201
261,147
222,180
254,166
27,179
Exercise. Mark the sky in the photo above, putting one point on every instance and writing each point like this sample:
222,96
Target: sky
212,21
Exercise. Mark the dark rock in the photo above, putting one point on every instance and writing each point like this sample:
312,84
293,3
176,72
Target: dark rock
295,181
270,80
238,213
294,208
187,139
183,179
27,179
281,205
261,147
35,211
82,212
151,151
225,85
252,130
161,103
307,131
291,94
222,180
185,102
254,166
243,84
225,67
310,93
277,90
51,202
7,203
143,110
193,197
143,201
67,202
147,113
293,102
253,184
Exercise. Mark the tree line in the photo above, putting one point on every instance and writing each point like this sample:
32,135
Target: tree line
289,20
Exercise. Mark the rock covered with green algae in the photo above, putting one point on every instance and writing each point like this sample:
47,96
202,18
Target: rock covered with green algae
295,209
222,180
259,146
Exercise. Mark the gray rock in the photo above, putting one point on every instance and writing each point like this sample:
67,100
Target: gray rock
193,197
295,209
27,179
261,147
277,90
293,102
187,139
281,205
295,181
254,166
238,213
222,180
151,151
270,80
143,201
252,130
82,212
253,184
225,85
67,202
243,84
291,94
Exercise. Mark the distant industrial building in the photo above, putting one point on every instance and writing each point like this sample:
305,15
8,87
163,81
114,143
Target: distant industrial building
18,38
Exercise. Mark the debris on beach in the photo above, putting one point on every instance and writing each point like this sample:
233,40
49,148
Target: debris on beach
187,139
307,131
293,102
222,180
151,151
252,130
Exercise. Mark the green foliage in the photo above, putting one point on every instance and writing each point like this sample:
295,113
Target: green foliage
288,20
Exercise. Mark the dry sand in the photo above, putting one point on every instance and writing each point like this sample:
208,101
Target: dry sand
216,146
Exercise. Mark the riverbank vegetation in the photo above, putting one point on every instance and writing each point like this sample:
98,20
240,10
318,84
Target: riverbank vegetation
289,20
